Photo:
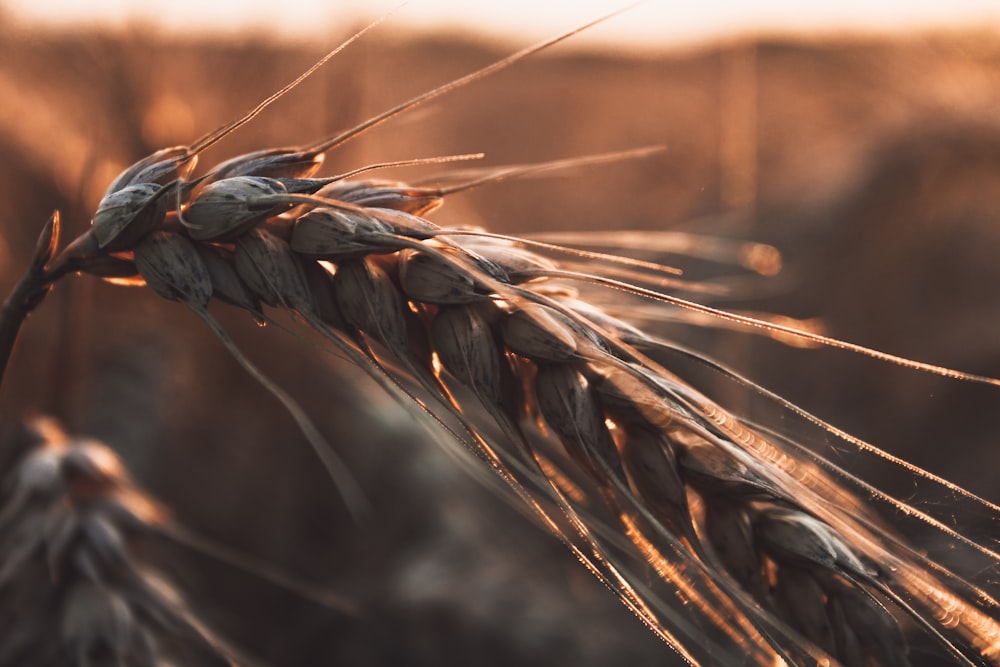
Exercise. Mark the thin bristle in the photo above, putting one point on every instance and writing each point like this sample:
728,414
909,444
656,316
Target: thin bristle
342,138
217,135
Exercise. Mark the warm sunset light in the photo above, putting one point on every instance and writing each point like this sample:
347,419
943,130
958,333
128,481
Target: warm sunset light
503,333
658,22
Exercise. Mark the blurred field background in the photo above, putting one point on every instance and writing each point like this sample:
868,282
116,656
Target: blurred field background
873,164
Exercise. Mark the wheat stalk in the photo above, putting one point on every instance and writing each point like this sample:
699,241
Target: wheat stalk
729,541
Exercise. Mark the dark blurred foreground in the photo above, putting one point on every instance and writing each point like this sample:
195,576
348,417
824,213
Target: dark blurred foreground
873,166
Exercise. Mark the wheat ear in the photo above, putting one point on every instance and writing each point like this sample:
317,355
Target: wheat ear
653,461
76,578
75,591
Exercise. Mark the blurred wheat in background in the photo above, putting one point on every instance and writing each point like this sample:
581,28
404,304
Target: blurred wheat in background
872,164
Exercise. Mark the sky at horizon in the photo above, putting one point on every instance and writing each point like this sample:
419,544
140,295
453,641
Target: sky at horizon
663,23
